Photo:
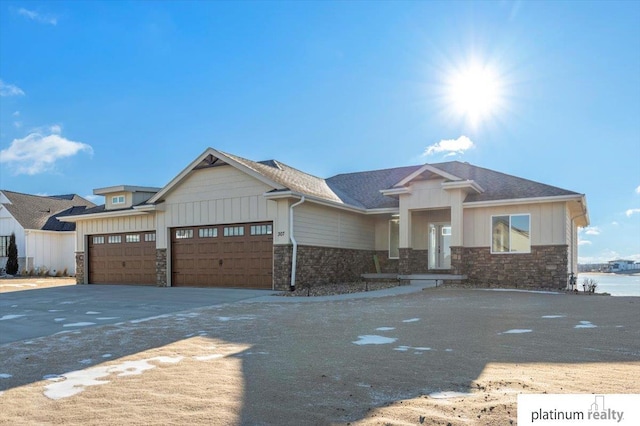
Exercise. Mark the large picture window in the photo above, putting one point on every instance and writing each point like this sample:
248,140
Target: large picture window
394,239
511,233
4,245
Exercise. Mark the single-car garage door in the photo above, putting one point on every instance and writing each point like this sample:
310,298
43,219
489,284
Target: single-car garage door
128,258
238,256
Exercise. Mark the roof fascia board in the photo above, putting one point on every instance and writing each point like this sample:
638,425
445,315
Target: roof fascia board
124,188
396,191
388,210
43,231
471,184
101,215
312,199
427,168
514,201
176,180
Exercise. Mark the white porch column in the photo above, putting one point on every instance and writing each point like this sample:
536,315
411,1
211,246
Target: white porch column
457,222
405,224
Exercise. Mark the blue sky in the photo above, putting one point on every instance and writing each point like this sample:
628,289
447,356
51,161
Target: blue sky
94,94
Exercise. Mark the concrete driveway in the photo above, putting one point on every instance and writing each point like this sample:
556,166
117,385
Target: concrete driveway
43,312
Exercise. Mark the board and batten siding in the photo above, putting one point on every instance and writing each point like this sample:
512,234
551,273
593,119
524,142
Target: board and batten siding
212,196
112,225
51,250
316,225
548,223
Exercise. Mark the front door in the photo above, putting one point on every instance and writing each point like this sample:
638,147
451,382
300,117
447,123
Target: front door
439,246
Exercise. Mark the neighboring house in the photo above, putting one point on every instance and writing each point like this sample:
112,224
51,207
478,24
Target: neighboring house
623,265
231,222
43,241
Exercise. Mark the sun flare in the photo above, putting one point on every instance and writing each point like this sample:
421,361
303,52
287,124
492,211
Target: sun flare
475,92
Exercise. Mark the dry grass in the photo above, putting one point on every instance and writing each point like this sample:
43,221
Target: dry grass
33,283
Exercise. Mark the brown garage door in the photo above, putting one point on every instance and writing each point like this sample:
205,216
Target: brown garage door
123,258
238,256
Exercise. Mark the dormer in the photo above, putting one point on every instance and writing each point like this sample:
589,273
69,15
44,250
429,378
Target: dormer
125,196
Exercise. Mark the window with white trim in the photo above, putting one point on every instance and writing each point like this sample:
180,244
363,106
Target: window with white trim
118,199
114,239
132,238
98,240
394,239
234,231
182,234
261,230
208,232
511,233
4,245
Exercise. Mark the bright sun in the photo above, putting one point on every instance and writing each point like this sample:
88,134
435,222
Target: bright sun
475,93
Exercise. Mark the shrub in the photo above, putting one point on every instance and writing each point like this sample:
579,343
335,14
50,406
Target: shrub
12,261
589,285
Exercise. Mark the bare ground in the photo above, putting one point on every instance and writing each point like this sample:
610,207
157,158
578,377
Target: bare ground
32,283
297,363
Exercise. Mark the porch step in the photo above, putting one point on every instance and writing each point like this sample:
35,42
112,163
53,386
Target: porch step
380,276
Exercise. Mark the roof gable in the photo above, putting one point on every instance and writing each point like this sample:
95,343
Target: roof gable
39,212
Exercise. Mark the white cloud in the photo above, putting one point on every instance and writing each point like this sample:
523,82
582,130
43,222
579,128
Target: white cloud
590,230
638,190
10,90
584,243
450,146
39,151
631,212
38,17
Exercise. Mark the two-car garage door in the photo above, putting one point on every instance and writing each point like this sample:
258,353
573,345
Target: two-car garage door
239,256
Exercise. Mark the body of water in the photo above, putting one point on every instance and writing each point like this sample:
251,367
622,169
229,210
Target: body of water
614,284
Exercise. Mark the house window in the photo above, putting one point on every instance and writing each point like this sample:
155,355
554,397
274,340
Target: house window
114,239
118,199
208,232
261,230
132,238
4,245
511,233
233,231
150,237
394,239
182,234
98,240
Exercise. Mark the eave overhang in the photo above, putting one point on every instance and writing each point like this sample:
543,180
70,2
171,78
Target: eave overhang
104,215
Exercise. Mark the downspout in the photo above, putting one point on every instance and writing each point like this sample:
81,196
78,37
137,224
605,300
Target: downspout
294,255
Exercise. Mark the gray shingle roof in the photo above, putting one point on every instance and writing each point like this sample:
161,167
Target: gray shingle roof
40,212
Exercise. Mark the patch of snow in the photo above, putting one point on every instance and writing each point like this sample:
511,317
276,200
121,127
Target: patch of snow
11,316
448,350
448,394
67,303
385,328
93,313
79,324
59,319
107,356
14,306
75,382
137,321
55,310
53,377
86,361
208,357
189,315
517,331
106,318
585,324
419,350
411,320
238,318
374,340
554,316
5,375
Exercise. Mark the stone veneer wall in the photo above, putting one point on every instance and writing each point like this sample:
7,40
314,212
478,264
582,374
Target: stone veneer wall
320,265
80,267
387,266
544,267
413,261
161,267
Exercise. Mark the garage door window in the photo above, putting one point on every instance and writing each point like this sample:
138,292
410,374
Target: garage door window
150,237
208,232
182,234
132,238
114,239
233,231
98,240
261,230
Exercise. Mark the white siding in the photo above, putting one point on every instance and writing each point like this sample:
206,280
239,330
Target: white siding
52,250
142,222
216,195
9,225
327,227
427,194
548,223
